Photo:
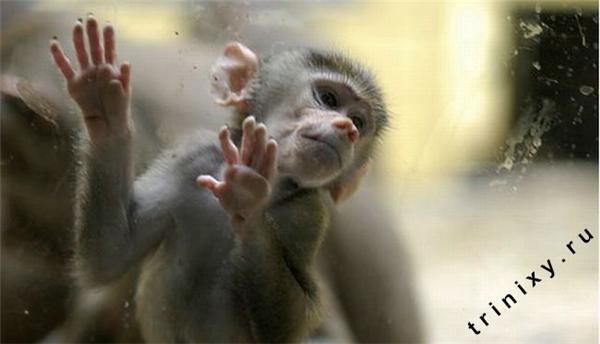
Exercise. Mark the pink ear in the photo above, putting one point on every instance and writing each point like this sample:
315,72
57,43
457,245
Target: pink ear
343,189
231,73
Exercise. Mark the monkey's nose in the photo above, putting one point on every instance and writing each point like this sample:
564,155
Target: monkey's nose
346,124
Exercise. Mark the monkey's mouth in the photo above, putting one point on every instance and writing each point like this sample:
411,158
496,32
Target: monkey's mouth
325,143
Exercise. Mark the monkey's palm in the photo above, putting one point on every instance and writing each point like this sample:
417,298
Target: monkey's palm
100,88
99,93
246,185
93,92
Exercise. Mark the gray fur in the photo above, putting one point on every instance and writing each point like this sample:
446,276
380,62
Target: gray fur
197,283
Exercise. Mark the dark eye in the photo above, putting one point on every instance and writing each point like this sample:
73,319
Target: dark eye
326,97
359,123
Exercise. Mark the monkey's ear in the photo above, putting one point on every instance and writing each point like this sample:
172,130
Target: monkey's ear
343,189
231,73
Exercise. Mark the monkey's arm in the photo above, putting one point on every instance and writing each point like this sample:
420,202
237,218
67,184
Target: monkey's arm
272,269
114,225
277,237
117,222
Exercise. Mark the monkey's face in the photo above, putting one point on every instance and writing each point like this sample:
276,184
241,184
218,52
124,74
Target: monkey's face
322,132
323,109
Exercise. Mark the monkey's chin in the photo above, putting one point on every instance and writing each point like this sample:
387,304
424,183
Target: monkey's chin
315,167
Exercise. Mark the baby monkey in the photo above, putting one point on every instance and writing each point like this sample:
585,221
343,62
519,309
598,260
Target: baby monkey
223,230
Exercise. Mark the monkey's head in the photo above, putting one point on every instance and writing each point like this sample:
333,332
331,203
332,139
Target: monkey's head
324,110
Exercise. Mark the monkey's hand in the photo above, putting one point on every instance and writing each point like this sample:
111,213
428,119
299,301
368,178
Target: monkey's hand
247,179
100,87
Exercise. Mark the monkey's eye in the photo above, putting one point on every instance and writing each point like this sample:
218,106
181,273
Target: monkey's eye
359,123
326,96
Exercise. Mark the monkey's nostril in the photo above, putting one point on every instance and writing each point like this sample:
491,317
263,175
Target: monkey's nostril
347,125
353,135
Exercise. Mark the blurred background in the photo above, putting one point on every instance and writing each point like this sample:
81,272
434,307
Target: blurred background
489,169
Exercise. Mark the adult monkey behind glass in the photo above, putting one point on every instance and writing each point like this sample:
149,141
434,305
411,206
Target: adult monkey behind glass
231,263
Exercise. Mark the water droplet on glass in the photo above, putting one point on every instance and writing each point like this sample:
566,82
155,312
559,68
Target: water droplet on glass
530,29
586,90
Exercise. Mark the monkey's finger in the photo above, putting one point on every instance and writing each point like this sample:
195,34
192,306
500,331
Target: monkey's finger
117,93
260,142
110,53
230,151
79,45
116,88
207,181
125,75
61,60
247,139
210,183
94,40
268,167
